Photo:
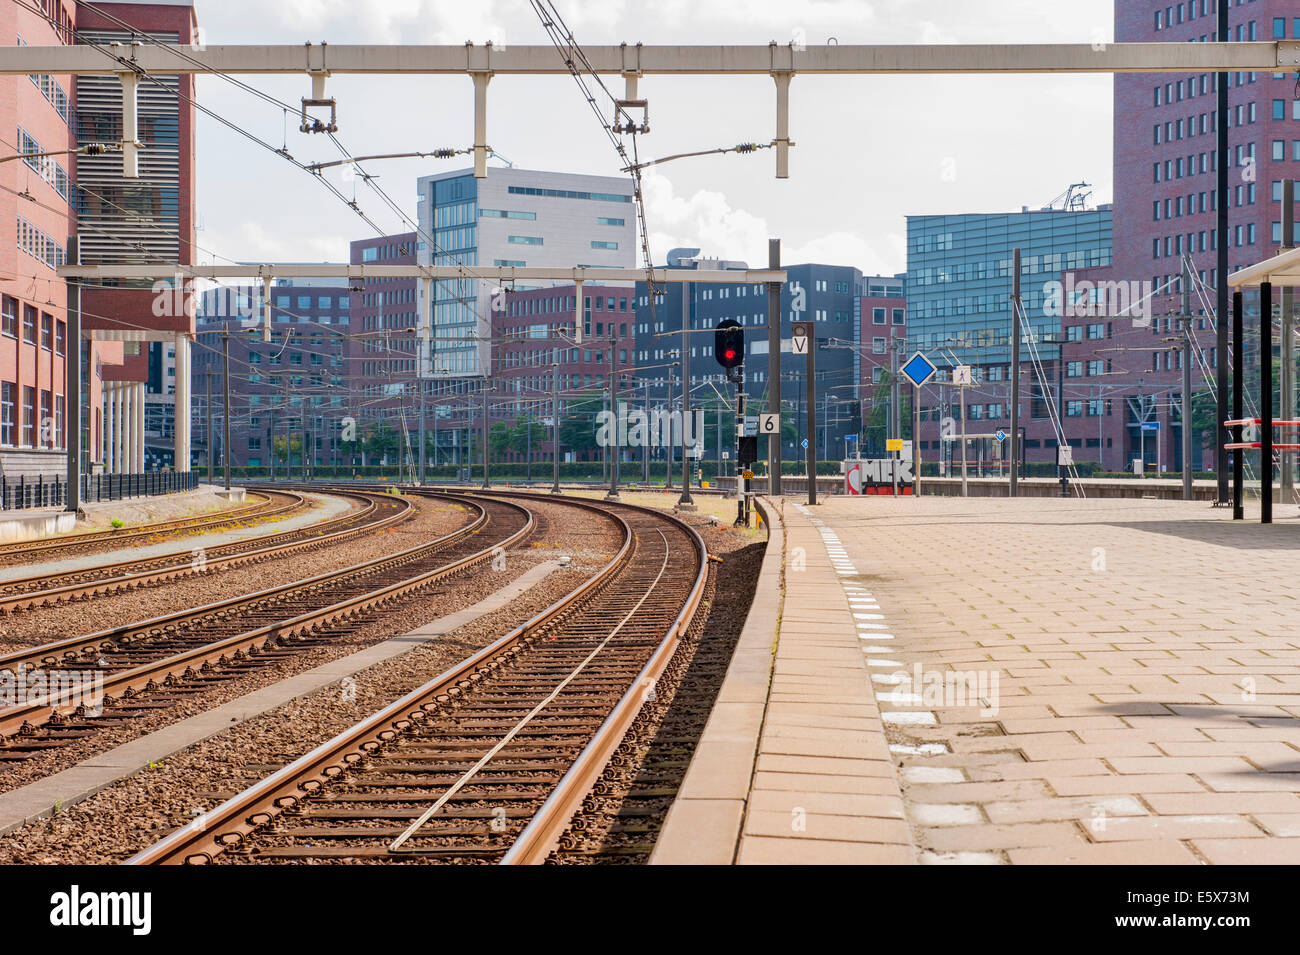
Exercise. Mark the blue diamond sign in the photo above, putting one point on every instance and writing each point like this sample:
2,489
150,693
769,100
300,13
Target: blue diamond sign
1001,435
804,442
919,369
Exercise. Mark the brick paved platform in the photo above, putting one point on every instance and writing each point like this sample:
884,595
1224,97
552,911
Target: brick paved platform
1085,682
793,767
989,682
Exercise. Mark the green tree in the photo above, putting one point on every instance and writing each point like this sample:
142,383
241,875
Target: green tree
279,444
501,439
528,430
381,443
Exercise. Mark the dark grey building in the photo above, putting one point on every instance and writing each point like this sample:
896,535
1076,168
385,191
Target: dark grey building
829,296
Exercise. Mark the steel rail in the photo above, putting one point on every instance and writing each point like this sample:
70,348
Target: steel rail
543,832
13,719
118,576
229,824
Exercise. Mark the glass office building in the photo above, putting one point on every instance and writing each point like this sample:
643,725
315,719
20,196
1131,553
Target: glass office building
959,274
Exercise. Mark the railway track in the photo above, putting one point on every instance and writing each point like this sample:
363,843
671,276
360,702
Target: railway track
378,511
150,665
268,504
489,761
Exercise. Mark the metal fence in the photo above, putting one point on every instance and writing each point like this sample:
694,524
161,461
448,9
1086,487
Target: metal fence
39,491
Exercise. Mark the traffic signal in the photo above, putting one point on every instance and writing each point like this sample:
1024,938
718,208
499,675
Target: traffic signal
729,344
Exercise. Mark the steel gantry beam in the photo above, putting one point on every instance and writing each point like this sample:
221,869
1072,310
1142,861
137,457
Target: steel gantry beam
503,275
781,62
626,59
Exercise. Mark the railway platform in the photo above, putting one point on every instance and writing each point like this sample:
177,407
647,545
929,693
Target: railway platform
989,681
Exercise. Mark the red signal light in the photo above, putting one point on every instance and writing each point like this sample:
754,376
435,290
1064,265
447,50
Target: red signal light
729,344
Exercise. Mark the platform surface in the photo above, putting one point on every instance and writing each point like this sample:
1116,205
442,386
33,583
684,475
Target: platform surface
987,681
1082,681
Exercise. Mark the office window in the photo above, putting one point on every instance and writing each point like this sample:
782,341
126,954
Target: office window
7,413
1279,149
877,346
1279,109
46,437
878,316
29,324
900,316
525,240
29,417
9,316
47,331
595,244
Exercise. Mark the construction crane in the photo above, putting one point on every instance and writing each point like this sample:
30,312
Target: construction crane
1074,199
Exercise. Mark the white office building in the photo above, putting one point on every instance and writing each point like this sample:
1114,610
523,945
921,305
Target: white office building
514,217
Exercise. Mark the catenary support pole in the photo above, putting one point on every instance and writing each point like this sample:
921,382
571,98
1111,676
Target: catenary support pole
1221,273
1189,466
225,421
1266,402
1238,363
688,294
1287,409
72,364
1014,437
773,367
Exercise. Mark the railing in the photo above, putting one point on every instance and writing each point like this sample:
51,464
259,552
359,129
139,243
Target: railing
40,491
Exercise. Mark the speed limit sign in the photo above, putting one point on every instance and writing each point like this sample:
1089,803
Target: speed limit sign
769,424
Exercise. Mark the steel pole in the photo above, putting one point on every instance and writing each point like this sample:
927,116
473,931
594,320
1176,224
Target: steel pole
1238,362
811,394
555,429
1188,467
1266,402
225,424
773,368
72,422
1221,273
616,448
1014,436
1287,408
688,294
207,380
487,476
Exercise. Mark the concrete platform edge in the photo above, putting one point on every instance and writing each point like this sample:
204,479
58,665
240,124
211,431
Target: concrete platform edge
703,826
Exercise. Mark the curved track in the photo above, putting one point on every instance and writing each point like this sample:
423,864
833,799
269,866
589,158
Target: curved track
378,511
488,761
151,664
269,504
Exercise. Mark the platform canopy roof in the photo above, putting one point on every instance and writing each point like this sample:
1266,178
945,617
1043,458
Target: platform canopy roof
1282,269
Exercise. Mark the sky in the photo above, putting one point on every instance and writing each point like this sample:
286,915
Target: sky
869,150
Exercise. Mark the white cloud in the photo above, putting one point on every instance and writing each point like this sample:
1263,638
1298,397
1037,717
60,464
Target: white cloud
252,241
704,220
707,220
